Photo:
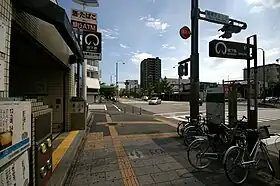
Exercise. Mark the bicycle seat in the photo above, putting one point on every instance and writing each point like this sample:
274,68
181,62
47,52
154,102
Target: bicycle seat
211,135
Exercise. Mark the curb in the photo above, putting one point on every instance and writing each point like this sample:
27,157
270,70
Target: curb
65,168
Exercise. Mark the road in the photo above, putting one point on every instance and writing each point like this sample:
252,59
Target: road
129,149
178,110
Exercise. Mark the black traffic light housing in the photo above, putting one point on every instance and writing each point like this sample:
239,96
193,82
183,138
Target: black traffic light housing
183,69
126,83
229,29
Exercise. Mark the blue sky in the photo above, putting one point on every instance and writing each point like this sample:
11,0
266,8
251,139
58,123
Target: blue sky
137,29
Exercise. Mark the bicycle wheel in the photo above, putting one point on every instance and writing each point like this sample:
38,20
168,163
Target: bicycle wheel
233,159
267,159
190,134
180,128
196,153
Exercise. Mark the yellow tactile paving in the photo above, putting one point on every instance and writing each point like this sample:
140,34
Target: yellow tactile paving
62,148
127,172
108,118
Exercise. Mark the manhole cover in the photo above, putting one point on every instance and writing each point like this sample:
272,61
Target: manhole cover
112,123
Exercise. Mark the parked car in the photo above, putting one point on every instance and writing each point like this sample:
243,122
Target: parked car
145,98
154,101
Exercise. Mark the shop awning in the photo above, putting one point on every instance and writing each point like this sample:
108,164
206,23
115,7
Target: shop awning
55,15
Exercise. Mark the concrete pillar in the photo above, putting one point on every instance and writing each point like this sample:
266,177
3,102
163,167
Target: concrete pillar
84,79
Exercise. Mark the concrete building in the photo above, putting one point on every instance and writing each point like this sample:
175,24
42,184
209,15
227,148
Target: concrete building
177,84
150,72
38,49
92,80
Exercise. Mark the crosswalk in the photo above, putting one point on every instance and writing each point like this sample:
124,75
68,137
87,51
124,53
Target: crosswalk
264,115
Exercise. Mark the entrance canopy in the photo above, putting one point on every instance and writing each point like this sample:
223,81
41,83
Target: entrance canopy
55,15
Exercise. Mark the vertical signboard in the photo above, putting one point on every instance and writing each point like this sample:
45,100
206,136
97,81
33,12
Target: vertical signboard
15,129
92,45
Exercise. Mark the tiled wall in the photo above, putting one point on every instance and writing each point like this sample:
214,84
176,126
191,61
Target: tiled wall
6,15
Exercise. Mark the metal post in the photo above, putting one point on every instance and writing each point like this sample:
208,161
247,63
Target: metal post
255,56
117,79
179,86
248,84
78,68
194,105
264,79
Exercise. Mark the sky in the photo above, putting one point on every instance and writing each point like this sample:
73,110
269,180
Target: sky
133,30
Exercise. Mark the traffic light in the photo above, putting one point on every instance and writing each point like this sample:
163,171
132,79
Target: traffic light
186,69
126,83
181,70
229,30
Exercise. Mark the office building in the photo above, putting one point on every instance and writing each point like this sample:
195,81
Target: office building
150,72
131,84
92,80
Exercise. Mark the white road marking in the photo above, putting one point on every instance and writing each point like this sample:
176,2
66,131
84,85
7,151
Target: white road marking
105,107
117,108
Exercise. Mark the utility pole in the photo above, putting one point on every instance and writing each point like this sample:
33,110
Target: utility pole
264,79
194,76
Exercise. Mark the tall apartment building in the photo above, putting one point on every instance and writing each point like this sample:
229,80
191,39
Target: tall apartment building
92,80
150,72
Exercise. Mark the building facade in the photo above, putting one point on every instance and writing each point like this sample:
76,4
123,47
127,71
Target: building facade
178,84
92,80
129,84
272,73
38,53
150,72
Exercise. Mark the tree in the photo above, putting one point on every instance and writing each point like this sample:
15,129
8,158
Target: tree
276,89
107,90
163,87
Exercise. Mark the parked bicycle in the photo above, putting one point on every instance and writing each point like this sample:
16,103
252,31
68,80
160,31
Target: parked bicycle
213,146
245,159
183,124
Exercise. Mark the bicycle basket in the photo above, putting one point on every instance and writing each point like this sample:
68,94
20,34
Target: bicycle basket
263,132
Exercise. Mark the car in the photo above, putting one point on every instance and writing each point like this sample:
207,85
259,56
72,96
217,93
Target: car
145,98
154,101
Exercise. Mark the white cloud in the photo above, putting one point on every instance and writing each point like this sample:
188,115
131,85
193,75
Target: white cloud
123,46
166,46
110,33
140,56
260,5
257,9
155,23
272,52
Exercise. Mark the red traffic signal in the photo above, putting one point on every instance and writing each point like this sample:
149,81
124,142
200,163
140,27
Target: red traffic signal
185,32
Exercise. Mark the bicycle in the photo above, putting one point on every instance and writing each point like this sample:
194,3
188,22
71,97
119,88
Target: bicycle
183,124
248,160
209,144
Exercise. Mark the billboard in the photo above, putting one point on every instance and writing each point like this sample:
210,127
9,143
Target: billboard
92,3
15,129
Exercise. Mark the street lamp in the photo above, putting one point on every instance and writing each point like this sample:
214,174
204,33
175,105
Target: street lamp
111,78
263,55
117,76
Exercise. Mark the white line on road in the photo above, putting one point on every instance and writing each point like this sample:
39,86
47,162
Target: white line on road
117,108
105,107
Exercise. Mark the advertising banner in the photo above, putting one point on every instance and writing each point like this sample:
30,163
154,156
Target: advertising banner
83,16
15,129
17,172
92,45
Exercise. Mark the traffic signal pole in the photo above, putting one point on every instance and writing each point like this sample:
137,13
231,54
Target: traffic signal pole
194,75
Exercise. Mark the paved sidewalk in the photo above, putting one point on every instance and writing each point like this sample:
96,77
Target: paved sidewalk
136,153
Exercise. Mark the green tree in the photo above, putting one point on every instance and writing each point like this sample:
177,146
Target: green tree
107,90
163,87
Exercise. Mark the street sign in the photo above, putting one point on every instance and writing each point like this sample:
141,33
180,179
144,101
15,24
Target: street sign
185,32
92,45
83,16
228,49
84,26
217,17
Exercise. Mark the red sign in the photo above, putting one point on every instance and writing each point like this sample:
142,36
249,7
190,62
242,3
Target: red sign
185,32
83,16
84,26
